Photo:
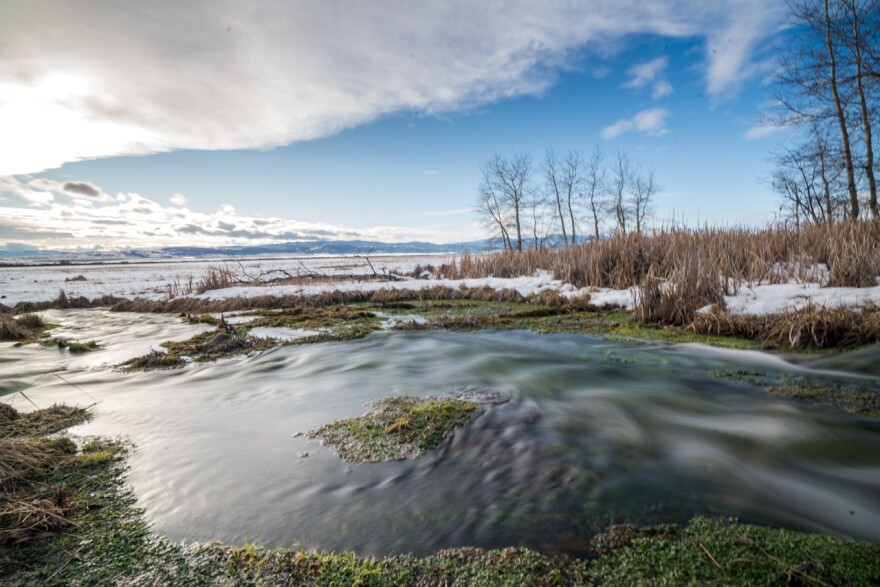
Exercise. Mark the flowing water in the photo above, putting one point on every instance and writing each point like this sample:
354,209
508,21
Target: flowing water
594,432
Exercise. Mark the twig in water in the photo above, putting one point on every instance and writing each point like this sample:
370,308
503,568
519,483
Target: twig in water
75,386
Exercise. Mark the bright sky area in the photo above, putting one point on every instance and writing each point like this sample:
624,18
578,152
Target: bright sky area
167,123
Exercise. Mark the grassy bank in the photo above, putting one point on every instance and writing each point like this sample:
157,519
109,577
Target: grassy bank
97,537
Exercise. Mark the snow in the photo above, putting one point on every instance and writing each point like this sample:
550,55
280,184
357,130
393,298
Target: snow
152,281
775,298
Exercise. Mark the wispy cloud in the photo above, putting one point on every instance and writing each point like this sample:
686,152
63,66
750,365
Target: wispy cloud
652,122
212,76
46,213
178,200
431,172
646,73
661,89
650,74
759,131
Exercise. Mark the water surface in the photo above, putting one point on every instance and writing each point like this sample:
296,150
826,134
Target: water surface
594,432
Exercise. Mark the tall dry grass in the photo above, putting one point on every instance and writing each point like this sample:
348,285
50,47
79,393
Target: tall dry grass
740,255
680,270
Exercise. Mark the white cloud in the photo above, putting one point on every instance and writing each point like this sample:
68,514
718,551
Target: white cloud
646,73
651,122
661,89
96,79
43,213
759,131
431,172
178,200
650,74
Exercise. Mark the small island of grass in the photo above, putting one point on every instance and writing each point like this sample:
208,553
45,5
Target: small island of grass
399,428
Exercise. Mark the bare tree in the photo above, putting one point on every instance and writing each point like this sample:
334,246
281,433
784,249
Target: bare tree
540,217
809,178
503,191
621,179
562,176
572,177
553,180
818,75
594,187
492,208
864,29
643,188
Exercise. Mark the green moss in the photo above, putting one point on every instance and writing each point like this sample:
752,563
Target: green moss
723,552
225,341
864,402
400,427
72,346
40,422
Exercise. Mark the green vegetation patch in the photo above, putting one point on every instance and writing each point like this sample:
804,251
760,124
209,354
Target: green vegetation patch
73,346
400,427
566,318
863,402
723,552
226,341
14,424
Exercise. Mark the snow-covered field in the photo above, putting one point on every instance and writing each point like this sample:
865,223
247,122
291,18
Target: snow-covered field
154,280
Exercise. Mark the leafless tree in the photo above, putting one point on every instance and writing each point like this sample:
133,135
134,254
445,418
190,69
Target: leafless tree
503,194
540,217
594,188
644,188
555,188
826,74
621,178
863,32
810,179
562,175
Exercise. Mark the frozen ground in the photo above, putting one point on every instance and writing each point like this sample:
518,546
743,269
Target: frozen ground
156,280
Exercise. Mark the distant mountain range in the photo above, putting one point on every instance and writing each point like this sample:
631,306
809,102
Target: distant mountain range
18,253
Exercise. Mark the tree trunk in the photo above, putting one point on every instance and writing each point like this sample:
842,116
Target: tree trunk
866,122
841,120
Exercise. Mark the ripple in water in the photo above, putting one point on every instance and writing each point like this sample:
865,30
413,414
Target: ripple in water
595,432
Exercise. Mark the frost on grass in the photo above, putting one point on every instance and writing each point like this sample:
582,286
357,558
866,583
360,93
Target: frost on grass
399,428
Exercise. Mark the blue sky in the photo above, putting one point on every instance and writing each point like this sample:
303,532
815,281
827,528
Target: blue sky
393,156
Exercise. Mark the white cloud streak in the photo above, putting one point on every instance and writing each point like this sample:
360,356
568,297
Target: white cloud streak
759,131
652,122
43,213
99,78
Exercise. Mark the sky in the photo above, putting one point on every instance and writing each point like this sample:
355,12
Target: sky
220,122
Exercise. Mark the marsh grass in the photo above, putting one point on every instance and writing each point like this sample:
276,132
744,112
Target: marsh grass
23,328
226,341
399,428
809,328
30,507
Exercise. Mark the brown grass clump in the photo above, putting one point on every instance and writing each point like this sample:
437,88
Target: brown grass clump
21,328
29,508
33,519
807,328
216,278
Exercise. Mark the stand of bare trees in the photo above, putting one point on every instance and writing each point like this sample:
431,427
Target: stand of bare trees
524,204
828,86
